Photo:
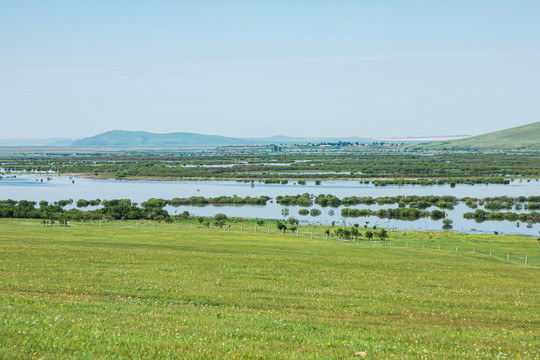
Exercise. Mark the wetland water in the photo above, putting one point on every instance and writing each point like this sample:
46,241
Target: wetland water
36,187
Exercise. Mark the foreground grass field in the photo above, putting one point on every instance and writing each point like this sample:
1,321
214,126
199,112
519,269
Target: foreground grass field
122,292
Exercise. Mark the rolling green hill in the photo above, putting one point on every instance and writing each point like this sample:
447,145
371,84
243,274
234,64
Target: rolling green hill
121,138
143,138
525,138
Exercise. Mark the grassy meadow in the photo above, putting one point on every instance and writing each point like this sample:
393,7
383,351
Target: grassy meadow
127,290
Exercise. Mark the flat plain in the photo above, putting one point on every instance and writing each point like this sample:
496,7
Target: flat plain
134,291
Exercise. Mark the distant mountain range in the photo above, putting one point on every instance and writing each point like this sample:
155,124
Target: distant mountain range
525,138
521,138
120,138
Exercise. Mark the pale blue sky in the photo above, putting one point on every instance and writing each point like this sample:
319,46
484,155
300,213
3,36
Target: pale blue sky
257,68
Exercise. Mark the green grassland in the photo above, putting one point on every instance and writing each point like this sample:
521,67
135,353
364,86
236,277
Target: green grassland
521,138
146,290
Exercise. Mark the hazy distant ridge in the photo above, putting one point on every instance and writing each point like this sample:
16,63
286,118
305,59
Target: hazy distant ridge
121,138
524,138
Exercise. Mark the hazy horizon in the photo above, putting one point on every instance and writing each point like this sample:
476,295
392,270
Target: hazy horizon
244,69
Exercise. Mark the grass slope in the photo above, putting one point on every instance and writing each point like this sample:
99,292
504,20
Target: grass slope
525,137
121,292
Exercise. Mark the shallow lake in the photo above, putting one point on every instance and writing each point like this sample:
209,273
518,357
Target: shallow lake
37,187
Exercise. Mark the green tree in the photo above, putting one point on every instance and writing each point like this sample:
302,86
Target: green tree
369,234
220,219
292,221
382,234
